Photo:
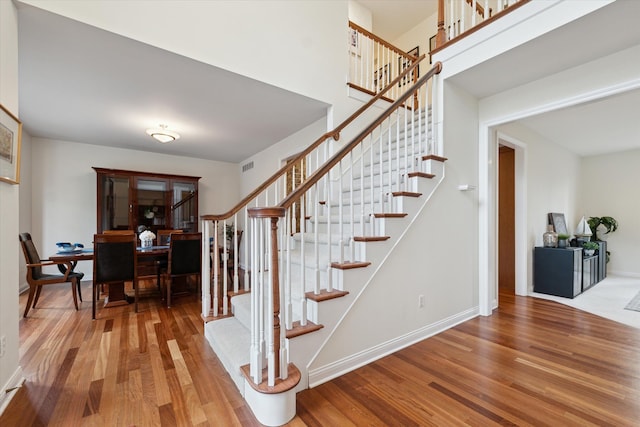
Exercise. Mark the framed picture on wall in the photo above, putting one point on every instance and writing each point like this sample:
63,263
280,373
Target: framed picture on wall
354,42
432,46
381,78
404,63
10,138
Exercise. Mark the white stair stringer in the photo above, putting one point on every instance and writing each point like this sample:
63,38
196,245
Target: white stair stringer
303,349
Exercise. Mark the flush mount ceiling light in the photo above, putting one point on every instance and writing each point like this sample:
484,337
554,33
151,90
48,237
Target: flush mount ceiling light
162,134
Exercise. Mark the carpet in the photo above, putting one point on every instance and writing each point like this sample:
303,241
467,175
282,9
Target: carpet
634,304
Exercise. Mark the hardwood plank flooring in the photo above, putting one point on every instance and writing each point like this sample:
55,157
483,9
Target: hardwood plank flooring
533,363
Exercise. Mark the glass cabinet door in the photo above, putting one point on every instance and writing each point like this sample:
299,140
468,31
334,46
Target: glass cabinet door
184,206
115,207
150,204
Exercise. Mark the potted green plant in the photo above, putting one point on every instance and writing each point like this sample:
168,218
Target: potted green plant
590,248
229,231
563,240
609,223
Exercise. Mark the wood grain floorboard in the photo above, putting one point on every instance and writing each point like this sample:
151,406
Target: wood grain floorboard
533,363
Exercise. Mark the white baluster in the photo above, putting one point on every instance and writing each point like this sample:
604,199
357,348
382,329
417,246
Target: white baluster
206,269
271,365
256,354
287,272
362,207
351,208
340,213
246,248
316,288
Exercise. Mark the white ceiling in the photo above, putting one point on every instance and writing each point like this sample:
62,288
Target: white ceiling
79,83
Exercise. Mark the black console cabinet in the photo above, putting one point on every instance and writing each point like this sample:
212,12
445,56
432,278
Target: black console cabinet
564,272
602,260
557,271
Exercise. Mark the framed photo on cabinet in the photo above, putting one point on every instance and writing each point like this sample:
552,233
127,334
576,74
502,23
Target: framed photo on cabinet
10,139
558,222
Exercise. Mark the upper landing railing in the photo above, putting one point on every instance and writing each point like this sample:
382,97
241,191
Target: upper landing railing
459,18
374,63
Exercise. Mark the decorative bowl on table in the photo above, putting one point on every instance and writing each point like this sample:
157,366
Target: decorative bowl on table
65,247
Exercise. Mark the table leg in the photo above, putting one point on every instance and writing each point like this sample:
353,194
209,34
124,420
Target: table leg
116,295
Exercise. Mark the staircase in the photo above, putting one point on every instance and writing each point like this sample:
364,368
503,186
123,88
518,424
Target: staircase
310,257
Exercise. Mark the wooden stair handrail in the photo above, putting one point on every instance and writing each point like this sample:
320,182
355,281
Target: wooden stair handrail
329,164
335,133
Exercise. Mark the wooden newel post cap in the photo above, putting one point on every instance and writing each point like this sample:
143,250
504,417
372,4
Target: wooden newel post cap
272,212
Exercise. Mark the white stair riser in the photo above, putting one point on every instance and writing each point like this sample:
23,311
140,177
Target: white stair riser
364,229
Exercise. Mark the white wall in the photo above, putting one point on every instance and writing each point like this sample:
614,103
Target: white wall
268,161
419,36
442,242
64,191
360,15
610,188
10,373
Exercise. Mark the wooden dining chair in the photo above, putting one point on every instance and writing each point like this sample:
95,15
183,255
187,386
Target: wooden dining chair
164,237
185,259
36,278
114,261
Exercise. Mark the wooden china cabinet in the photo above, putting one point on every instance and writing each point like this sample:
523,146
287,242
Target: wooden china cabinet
129,199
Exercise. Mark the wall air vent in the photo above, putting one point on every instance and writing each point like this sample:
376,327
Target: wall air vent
247,167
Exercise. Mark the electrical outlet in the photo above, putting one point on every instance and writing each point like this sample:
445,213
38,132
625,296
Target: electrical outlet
3,345
420,301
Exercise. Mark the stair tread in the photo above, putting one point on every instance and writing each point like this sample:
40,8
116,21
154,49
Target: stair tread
347,265
371,238
325,295
299,330
232,338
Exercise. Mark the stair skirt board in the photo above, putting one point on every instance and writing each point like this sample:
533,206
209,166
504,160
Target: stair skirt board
326,373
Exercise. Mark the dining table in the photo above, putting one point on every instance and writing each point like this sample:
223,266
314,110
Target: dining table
117,295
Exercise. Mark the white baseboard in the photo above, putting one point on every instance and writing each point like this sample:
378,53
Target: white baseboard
623,274
10,389
327,373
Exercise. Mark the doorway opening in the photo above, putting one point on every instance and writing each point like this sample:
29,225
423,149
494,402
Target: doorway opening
506,220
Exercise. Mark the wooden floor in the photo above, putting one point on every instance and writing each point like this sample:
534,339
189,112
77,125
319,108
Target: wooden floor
533,362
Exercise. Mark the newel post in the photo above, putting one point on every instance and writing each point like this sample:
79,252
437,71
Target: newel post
273,214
